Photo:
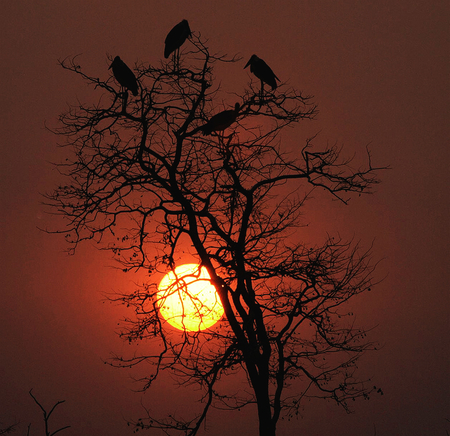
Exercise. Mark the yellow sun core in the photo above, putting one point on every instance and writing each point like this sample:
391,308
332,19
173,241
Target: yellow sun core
187,300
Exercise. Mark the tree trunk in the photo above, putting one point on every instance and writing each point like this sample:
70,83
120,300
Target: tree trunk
266,424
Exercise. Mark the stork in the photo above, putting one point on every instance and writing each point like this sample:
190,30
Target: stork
263,72
221,121
124,75
176,38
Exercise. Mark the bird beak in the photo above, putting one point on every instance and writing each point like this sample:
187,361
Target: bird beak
247,64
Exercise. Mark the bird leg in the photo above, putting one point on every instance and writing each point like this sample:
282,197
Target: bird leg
176,59
228,147
261,93
220,138
225,147
124,100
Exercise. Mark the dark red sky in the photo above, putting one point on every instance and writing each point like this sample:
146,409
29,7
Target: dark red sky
380,73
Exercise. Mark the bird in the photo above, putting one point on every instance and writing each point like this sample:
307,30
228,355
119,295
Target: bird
262,71
221,121
124,75
176,37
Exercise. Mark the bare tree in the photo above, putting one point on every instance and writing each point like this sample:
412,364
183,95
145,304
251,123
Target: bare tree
145,183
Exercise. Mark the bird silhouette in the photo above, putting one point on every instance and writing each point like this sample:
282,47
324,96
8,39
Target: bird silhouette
176,37
221,121
262,71
124,75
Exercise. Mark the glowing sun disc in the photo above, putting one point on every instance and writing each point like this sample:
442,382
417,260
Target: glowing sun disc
187,300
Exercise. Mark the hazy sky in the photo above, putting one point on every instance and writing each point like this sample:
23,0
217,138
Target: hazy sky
379,71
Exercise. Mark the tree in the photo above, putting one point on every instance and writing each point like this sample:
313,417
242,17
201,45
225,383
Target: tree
145,183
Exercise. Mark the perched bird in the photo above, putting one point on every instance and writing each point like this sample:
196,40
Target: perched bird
221,121
262,71
124,75
176,37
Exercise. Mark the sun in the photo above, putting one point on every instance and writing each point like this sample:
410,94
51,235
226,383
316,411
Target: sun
187,300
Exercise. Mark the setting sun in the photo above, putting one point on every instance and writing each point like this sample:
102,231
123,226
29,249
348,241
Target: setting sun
187,300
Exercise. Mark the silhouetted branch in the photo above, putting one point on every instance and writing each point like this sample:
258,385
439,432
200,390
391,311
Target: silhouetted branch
47,416
9,429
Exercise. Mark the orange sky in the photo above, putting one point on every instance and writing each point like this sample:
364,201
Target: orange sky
380,75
